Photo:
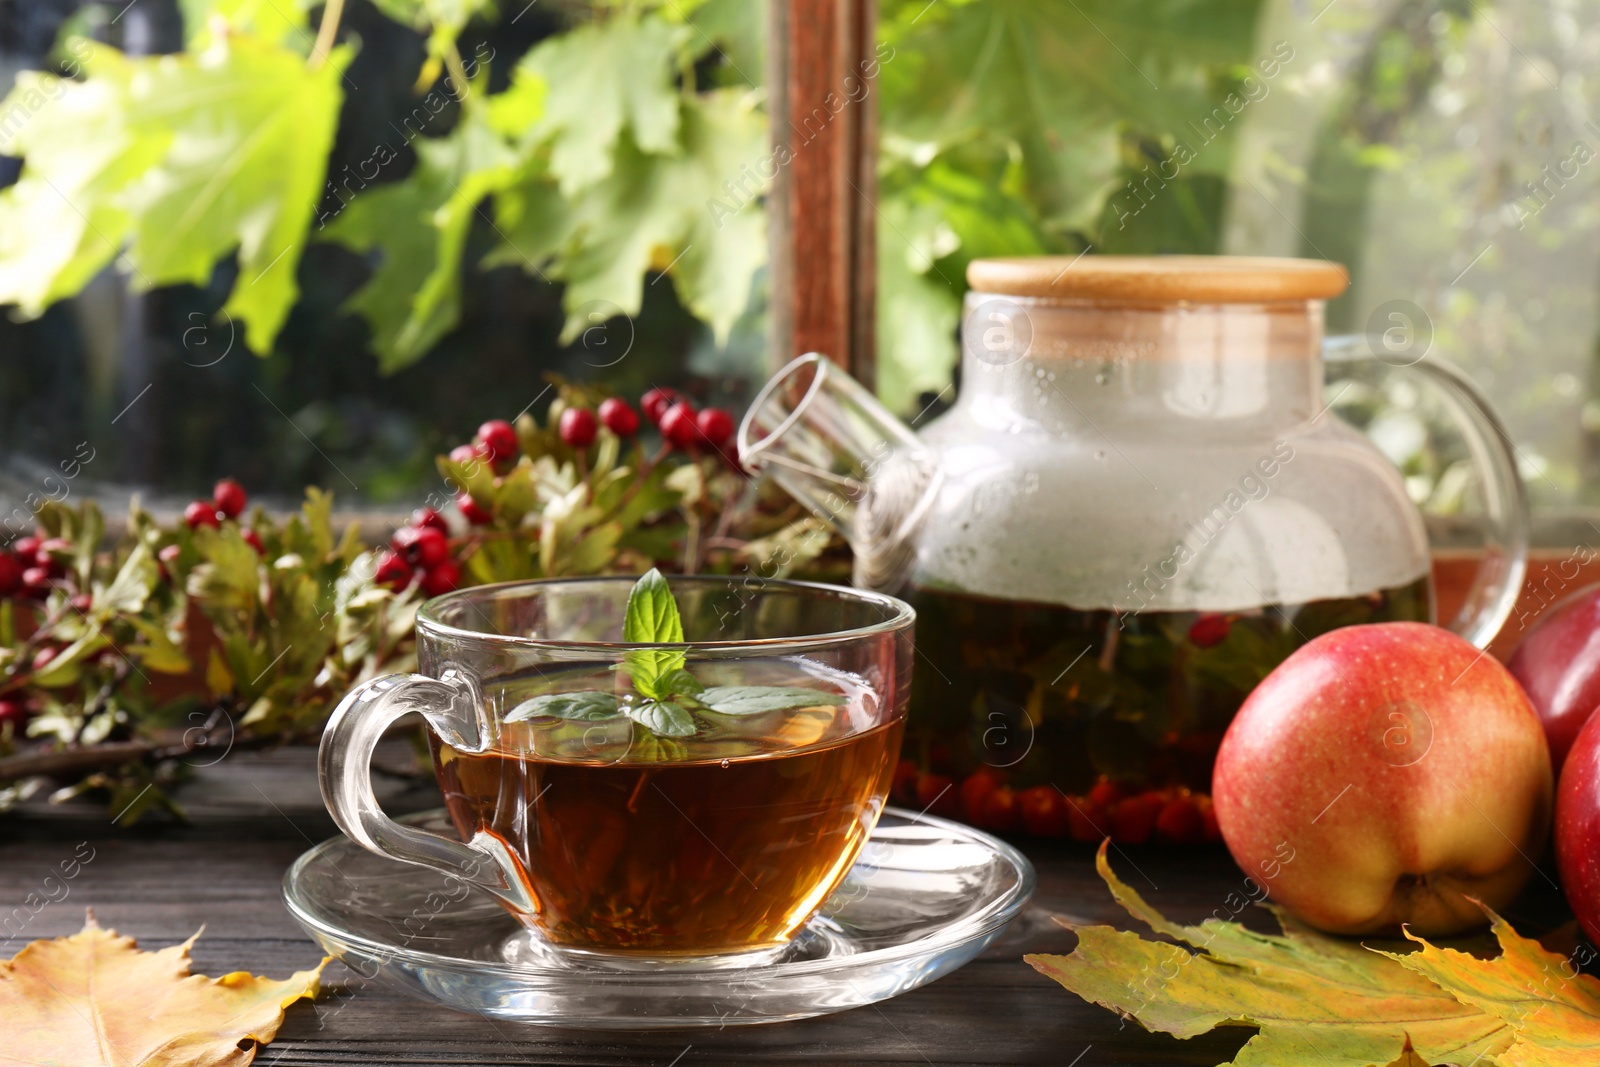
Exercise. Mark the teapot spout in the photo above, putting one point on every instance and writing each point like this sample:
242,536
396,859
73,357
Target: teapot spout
829,443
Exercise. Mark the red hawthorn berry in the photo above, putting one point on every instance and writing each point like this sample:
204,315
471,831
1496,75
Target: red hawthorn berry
1209,630
1133,819
10,574
230,497
201,513
578,427
618,417
1044,811
82,603
1085,821
975,789
937,794
36,582
678,426
499,440
467,455
26,548
441,578
253,539
13,710
422,546
431,520
1180,821
43,657
49,555
472,511
1000,810
715,426
656,402
392,570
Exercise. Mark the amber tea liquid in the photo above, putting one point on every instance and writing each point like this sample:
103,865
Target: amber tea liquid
728,842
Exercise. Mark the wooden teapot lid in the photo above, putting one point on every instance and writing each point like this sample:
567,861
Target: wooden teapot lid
1160,279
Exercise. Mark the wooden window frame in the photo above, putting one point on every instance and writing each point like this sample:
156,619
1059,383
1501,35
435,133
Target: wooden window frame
822,211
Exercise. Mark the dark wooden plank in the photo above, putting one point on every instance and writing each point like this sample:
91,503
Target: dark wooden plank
162,881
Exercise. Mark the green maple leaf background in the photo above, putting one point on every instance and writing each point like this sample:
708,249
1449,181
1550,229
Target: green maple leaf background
173,162
1005,127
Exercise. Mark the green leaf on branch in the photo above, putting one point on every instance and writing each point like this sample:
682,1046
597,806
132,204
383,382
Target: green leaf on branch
600,79
135,580
1057,82
693,215
175,162
442,20
419,228
282,22
65,667
158,651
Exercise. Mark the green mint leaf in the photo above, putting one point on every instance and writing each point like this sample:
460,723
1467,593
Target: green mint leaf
680,683
756,699
650,667
652,614
662,718
589,705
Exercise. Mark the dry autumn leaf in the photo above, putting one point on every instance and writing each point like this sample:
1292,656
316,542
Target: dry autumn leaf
94,998
1554,1010
1317,1000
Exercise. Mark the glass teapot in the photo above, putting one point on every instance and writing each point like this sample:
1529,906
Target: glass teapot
1139,504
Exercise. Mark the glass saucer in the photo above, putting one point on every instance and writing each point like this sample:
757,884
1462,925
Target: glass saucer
925,896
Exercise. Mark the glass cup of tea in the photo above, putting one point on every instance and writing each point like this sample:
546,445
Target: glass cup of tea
638,803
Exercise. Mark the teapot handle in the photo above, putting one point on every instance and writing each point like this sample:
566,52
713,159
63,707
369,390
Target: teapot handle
1499,578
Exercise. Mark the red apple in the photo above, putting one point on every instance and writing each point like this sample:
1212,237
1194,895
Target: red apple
1558,664
1578,828
1383,775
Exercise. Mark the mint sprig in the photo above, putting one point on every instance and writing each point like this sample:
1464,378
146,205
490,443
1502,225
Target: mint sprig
652,616
669,696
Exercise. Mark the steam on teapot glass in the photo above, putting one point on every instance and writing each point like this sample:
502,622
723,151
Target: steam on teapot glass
1139,504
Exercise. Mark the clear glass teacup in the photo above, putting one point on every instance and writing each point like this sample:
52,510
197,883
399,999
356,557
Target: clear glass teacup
690,801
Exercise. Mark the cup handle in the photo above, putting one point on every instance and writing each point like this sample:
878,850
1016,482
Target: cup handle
1498,581
344,768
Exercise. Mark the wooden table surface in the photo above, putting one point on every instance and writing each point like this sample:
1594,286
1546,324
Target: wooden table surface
252,815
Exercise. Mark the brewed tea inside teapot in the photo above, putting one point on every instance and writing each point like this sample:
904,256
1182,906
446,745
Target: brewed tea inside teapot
1139,504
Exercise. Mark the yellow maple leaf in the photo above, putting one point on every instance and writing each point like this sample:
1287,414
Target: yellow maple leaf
94,998
1553,1010
1315,999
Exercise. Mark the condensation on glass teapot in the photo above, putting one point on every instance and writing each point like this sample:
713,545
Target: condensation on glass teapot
1132,434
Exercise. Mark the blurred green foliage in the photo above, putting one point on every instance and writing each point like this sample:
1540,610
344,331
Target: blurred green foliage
611,156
